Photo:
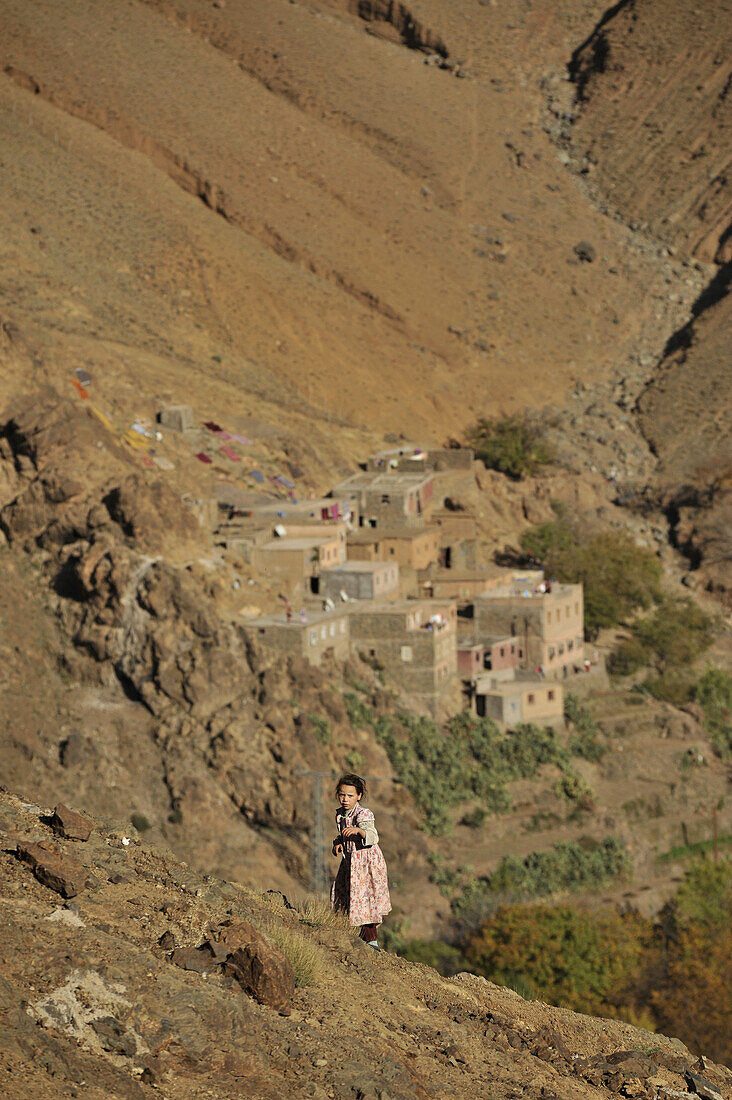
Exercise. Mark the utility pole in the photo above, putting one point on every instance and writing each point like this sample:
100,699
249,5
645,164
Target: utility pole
318,872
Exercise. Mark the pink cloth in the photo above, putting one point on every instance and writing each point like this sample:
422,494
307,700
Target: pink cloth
361,888
241,439
230,453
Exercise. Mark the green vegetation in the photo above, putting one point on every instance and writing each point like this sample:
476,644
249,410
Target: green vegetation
587,738
140,822
321,727
713,692
583,961
673,637
514,445
618,576
470,759
700,847
446,959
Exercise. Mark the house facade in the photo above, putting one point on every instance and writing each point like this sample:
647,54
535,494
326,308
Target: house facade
312,637
415,642
360,580
512,701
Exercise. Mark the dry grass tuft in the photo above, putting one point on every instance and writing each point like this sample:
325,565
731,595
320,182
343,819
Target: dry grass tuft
307,959
317,913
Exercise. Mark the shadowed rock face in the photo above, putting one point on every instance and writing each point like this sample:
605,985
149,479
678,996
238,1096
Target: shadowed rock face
92,993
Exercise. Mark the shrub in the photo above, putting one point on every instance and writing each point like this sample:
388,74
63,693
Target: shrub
321,727
587,740
583,961
573,787
672,638
514,445
572,866
140,822
359,714
475,818
713,692
618,576
305,957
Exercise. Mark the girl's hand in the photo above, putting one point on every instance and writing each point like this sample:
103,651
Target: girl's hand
353,831
337,849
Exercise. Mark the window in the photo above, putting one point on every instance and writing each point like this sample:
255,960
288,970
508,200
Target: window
550,696
513,650
385,498
551,652
391,550
324,632
531,698
502,651
313,637
342,625
332,630
548,616
406,653
570,645
521,654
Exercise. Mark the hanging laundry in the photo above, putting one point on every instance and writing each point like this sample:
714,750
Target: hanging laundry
258,476
101,417
230,453
203,458
241,439
83,376
224,435
79,388
212,426
283,481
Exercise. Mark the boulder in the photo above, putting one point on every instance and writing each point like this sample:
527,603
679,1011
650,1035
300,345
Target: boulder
70,824
259,967
177,417
53,868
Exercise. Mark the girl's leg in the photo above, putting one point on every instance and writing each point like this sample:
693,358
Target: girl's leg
368,934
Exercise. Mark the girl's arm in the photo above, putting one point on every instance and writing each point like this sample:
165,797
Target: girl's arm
366,828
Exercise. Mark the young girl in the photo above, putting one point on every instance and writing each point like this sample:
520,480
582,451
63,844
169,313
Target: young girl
360,888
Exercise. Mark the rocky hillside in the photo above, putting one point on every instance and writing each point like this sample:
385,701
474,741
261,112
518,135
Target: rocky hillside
126,974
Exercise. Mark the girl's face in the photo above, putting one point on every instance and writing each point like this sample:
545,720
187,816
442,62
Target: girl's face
348,796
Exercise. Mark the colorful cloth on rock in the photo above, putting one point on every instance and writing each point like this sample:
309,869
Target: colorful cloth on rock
361,888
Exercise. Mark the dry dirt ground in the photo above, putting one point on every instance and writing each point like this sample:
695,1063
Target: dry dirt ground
94,1006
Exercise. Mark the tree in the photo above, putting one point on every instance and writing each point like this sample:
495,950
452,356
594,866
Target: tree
513,445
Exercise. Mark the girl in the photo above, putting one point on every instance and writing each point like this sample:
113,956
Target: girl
360,888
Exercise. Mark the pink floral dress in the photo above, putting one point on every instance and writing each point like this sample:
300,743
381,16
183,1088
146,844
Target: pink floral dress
361,888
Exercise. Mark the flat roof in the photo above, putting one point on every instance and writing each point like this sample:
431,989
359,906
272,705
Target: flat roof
382,481
365,535
314,618
360,566
403,606
517,592
285,543
486,685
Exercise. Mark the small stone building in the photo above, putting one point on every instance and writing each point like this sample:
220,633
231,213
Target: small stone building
178,418
415,642
548,619
296,560
512,701
390,498
499,655
311,638
411,548
360,580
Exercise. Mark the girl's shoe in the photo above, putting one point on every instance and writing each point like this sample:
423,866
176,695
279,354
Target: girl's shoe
374,944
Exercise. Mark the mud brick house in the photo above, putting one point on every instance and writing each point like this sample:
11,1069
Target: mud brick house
512,701
415,641
360,580
547,619
313,638
460,585
411,548
389,498
296,562
501,656
451,458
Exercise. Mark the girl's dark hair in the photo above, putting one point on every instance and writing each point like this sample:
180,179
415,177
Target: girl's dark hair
350,779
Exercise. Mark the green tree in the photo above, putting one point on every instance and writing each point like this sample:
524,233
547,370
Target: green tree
713,692
514,445
583,961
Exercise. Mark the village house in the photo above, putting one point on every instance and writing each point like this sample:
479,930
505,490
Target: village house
411,548
500,655
298,562
519,699
389,498
547,618
415,642
360,580
313,636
